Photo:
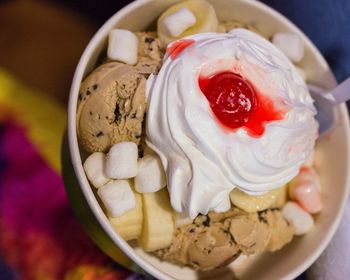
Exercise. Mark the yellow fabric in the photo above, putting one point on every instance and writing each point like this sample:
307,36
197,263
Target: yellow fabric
43,117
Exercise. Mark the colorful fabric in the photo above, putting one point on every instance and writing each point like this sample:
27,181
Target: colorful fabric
40,238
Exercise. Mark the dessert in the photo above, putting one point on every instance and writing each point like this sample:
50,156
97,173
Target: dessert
200,139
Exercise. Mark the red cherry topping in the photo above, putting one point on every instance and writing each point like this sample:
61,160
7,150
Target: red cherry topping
177,47
236,103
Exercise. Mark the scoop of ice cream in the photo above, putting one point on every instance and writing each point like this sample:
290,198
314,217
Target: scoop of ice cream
213,135
202,245
219,238
111,106
212,247
251,235
150,53
281,232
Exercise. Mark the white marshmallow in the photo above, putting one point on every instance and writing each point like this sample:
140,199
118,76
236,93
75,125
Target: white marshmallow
150,176
122,46
118,197
290,44
121,161
178,22
94,169
305,189
298,217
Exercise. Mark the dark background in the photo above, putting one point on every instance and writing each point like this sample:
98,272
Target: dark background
325,22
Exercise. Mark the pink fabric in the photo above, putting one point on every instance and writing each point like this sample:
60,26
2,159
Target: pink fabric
39,235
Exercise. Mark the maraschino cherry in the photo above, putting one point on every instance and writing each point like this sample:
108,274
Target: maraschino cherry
236,103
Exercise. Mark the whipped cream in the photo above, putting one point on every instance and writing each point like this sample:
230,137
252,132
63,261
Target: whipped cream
203,160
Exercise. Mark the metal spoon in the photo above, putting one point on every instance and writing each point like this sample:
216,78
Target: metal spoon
325,103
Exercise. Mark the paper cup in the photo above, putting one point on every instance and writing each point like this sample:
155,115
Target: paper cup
332,156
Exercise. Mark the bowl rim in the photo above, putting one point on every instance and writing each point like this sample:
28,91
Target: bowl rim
83,181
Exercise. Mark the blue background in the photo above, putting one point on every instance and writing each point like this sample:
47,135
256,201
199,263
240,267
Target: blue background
327,24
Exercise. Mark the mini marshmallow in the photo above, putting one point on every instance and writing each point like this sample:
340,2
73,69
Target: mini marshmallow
118,197
298,217
305,189
178,22
94,169
122,46
307,175
308,196
290,44
150,176
121,161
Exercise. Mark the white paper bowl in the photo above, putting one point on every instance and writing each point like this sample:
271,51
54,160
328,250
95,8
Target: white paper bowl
332,155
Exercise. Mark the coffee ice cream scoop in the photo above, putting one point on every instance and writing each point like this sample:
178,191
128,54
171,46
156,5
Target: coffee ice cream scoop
111,107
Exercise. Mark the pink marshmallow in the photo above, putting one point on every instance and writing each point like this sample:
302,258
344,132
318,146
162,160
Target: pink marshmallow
305,189
308,196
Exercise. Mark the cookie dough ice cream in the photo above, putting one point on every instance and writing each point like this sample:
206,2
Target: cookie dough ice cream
225,111
216,239
112,107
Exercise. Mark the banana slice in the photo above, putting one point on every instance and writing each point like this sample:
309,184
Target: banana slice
206,20
281,197
129,225
251,204
158,223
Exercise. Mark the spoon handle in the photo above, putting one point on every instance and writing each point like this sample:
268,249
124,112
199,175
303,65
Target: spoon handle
340,94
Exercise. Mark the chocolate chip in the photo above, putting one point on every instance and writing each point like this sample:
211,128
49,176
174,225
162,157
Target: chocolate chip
117,113
140,152
133,115
99,134
88,92
80,96
261,218
237,254
192,230
232,240
206,223
149,40
90,113
94,87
